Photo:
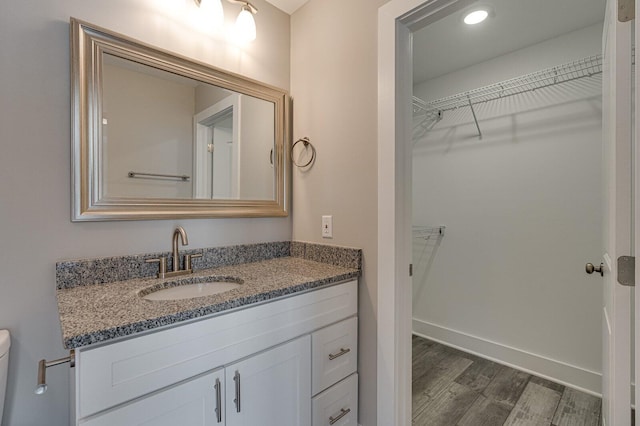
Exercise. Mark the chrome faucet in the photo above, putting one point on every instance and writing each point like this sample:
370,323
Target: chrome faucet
179,231
175,256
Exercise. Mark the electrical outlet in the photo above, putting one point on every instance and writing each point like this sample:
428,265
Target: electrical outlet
327,226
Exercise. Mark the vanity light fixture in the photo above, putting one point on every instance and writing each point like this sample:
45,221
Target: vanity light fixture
245,24
476,16
212,11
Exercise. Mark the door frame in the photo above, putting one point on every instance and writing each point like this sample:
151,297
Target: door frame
202,135
397,19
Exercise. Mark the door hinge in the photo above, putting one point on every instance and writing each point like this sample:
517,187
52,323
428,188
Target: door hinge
626,10
627,271
411,269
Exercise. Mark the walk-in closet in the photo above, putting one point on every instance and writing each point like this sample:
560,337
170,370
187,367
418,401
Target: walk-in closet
507,208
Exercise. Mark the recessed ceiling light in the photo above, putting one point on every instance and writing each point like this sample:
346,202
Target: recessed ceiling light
476,16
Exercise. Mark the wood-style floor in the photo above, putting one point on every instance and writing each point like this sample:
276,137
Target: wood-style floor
454,388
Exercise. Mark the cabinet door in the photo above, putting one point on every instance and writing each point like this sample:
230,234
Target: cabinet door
272,388
190,403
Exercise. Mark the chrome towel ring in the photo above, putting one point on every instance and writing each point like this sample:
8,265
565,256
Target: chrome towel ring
305,141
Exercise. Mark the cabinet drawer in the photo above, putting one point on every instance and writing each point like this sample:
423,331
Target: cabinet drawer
334,353
338,405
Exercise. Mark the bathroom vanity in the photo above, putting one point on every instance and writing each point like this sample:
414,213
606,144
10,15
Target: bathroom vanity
280,349
256,366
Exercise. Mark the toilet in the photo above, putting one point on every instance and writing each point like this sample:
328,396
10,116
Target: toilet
5,342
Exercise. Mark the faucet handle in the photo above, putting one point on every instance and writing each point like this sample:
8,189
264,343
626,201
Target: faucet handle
188,258
162,265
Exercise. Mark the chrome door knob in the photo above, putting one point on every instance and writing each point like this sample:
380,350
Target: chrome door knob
590,268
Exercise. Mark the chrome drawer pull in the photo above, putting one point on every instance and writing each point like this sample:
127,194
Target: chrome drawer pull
236,379
339,354
218,401
343,413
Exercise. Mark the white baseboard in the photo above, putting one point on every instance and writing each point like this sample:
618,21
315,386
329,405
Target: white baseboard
551,369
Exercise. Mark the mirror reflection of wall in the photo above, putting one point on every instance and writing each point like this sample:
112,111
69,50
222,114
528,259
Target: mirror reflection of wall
256,147
162,123
146,128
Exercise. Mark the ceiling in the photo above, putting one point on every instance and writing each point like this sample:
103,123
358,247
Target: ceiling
449,44
288,6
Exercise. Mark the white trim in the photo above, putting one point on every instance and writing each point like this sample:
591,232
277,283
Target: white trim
396,20
202,135
635,361
561,372
392,391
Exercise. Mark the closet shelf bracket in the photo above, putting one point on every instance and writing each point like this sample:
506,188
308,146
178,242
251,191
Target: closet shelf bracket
475,119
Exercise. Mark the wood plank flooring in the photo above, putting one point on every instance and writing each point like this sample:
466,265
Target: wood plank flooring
454,388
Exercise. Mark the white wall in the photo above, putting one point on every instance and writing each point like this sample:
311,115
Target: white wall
35,169
148,134
523,210
334,85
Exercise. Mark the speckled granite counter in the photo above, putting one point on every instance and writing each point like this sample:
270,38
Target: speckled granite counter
96,312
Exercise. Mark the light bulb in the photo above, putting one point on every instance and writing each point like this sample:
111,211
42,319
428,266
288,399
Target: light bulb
246,25
476,17
212,12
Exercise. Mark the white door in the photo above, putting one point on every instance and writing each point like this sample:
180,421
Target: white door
272,388
616,368
222,159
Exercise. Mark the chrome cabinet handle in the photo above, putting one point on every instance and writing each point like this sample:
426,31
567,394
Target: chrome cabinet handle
218,401
236,378
343,413
339,354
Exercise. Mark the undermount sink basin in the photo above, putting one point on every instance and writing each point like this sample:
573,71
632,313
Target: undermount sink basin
190,288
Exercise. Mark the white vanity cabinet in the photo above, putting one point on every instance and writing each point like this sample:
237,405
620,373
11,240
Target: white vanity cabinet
262,365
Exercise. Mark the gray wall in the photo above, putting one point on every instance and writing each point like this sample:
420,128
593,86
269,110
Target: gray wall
35,168
334,84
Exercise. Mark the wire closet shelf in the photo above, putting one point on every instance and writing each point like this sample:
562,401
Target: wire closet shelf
432,112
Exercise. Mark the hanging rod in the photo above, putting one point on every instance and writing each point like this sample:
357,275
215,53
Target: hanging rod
432,111
141,175
426,232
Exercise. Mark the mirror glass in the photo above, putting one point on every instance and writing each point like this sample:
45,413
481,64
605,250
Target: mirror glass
158,136
169,136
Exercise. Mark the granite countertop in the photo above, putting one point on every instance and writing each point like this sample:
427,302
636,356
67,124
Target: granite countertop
101,312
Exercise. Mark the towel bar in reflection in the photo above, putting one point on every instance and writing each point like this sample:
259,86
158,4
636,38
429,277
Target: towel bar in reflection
141,175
